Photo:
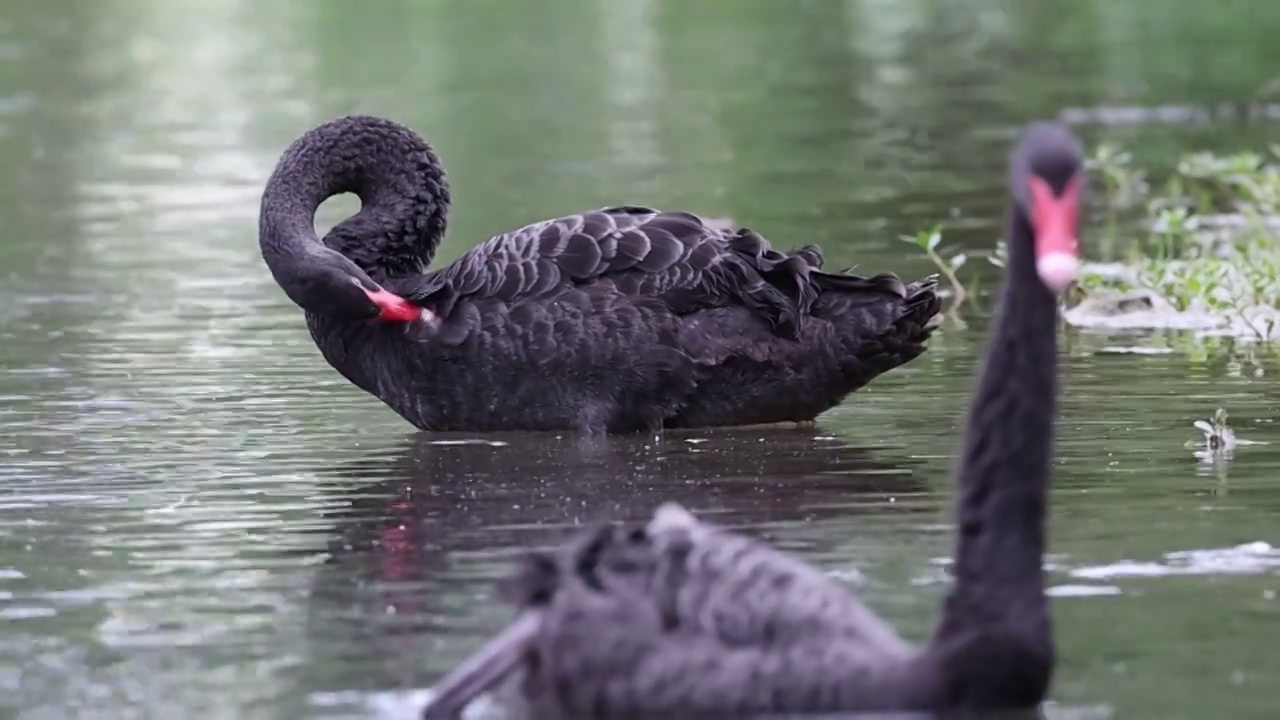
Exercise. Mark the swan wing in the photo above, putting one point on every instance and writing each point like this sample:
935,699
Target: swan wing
642,252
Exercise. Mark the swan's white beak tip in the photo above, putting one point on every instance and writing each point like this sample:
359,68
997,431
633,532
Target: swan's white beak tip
1057,269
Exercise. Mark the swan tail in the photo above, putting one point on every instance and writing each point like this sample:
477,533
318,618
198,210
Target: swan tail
882,312
794,281
880,321
922,307
918,318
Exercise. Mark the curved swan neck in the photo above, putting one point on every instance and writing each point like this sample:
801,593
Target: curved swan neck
403,191
1004,468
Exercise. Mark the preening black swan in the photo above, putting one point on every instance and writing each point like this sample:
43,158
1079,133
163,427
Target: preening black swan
615,320
678,618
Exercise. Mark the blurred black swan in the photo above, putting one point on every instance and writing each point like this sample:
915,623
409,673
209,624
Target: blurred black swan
410,527
619,319
679,618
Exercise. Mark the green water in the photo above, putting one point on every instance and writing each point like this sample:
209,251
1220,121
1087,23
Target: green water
198,518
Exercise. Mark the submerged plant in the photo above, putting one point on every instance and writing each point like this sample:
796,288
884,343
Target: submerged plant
1216,450
1217,434
928,241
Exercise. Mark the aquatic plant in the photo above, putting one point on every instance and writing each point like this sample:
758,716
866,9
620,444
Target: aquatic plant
1217,434
1123,184
928,241
1198,251
950,262
1215,450
1202,254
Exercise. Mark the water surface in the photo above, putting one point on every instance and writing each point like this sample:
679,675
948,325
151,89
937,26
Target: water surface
199,518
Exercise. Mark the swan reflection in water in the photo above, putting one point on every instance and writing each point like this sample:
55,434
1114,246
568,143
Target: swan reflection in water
419,533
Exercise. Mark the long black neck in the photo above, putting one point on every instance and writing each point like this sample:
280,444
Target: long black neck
403,192
1004,470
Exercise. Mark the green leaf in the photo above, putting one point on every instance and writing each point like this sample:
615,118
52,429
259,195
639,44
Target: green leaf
934,238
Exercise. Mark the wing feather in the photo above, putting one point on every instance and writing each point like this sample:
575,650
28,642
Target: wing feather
675,257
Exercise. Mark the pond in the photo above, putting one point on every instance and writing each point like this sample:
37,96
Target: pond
198,517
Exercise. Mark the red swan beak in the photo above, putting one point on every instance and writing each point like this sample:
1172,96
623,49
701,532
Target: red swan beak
1054,218
394,308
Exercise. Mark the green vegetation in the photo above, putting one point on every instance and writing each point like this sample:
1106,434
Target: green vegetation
928,241
1198,251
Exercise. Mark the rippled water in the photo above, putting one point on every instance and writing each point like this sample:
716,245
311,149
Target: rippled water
199,518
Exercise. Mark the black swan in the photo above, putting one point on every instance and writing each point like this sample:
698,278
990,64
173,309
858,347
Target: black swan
620,319
679,618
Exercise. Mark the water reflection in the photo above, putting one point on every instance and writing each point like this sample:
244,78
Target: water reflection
425,529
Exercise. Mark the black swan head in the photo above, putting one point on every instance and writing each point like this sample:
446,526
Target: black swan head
326,283
404,200
1046,178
